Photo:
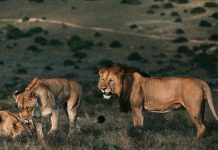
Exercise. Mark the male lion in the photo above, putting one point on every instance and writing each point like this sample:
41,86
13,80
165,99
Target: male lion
157,94
11,125
44,97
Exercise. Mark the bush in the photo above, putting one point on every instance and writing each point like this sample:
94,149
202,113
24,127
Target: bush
179,31
154,7
25,18
150,11
168,5
80,55
206,61
134,56
76,43
105,63
181,1
69,62
13,32
162,14
48,68
174,13
215,15
213,37
55,42
2,63
36,1
198,10
210,4
180,40
178,20
41,40
97,34
131,2
184,50
204,23
33,48
35,30
133,26
21,71
115,44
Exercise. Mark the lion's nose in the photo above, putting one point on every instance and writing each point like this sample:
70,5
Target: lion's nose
104,88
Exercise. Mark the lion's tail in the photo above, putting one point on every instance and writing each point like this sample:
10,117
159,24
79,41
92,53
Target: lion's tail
208,96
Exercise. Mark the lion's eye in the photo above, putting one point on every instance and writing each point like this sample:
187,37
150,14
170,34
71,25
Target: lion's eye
102,79
111,81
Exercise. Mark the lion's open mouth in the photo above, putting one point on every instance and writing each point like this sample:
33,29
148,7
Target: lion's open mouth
107,95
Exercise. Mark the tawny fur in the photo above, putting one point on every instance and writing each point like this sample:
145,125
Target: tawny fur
159,94
44,97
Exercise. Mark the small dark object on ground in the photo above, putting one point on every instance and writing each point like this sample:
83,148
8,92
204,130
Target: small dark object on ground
210,4
100,119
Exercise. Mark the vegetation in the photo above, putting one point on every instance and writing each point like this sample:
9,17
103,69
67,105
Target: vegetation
115,44
204,23
131,2
75,43
198,10
134,56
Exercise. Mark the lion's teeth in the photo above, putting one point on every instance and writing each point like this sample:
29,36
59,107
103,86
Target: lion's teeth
107,96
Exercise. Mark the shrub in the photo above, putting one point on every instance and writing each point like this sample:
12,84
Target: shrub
178,20
13,32
97,34
21,71
204,23
115,44
174,13
25,18
182,1
168,5
33,48
162,14
198,10
134,56
180,40
69,62
210,4
80,55
215,15
40,40
131,2
48,68
154,7
36,1
206,61
184,50
55,42
2,63
150,11
106,63
179,31
35,30
76,43
213,37
133,26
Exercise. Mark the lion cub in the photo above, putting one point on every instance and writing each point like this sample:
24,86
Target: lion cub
11,125
44,97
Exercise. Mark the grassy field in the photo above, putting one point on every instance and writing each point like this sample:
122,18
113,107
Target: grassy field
73,39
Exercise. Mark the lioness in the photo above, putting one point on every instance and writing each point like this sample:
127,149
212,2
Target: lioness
44,97
157,94
11,125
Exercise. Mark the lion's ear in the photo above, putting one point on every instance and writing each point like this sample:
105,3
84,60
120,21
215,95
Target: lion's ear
101,71
15,94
